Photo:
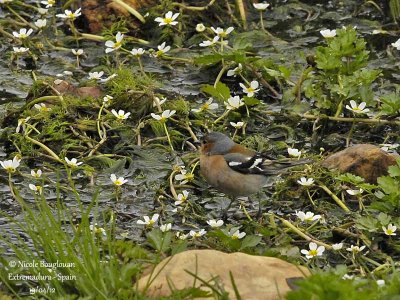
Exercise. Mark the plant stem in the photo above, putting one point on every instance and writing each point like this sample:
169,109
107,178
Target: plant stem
302,234
222,116
168,137
334,197
357,120
221,72
348,138
44,147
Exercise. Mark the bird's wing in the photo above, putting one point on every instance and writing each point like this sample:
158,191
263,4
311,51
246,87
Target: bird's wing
258,164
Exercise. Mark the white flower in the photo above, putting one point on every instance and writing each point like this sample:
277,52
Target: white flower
261,6
182,197
107,98
169,19
252,89
308,216
42,11
41,23
69,14
23,33
389,147
159,101
96,75
237,125
48,3
293,152
162,49
314,251
97,230
196,234
102,80
347,277
200,27
355,249
221,32
305,181
73,162
182,236
166,227
234,103
118,181
380,282
237,235
137,52
20,49
65,73
235,71
42,107
355,192
396,44
215,223
36,174
209,43
120,115
390,230
358,109
209,105
10,165
338,246
164,116
112,46
328,33
36,188
78,52
184,177
21,123
147,221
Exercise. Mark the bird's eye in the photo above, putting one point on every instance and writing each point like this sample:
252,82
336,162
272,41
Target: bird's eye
203,142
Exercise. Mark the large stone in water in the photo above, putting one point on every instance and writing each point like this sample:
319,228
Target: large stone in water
364,160
256,277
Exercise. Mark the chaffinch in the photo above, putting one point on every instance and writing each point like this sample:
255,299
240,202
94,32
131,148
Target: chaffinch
234,169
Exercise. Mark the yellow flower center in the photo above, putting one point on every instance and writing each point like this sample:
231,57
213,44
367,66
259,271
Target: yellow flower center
205,106
117,45
313,252
168,20
10,169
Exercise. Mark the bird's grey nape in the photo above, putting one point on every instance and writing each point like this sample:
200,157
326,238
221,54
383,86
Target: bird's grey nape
221,143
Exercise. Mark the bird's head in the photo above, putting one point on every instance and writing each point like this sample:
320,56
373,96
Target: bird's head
216,143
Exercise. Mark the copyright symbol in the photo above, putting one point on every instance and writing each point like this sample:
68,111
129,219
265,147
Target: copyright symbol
12,263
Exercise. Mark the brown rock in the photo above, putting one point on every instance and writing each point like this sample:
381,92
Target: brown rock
66,88
101,14
256,277
364,160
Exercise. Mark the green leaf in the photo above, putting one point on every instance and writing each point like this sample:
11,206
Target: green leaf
159,240
250,241
250,101
384,218
389,185
179,246
208,59
220,91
